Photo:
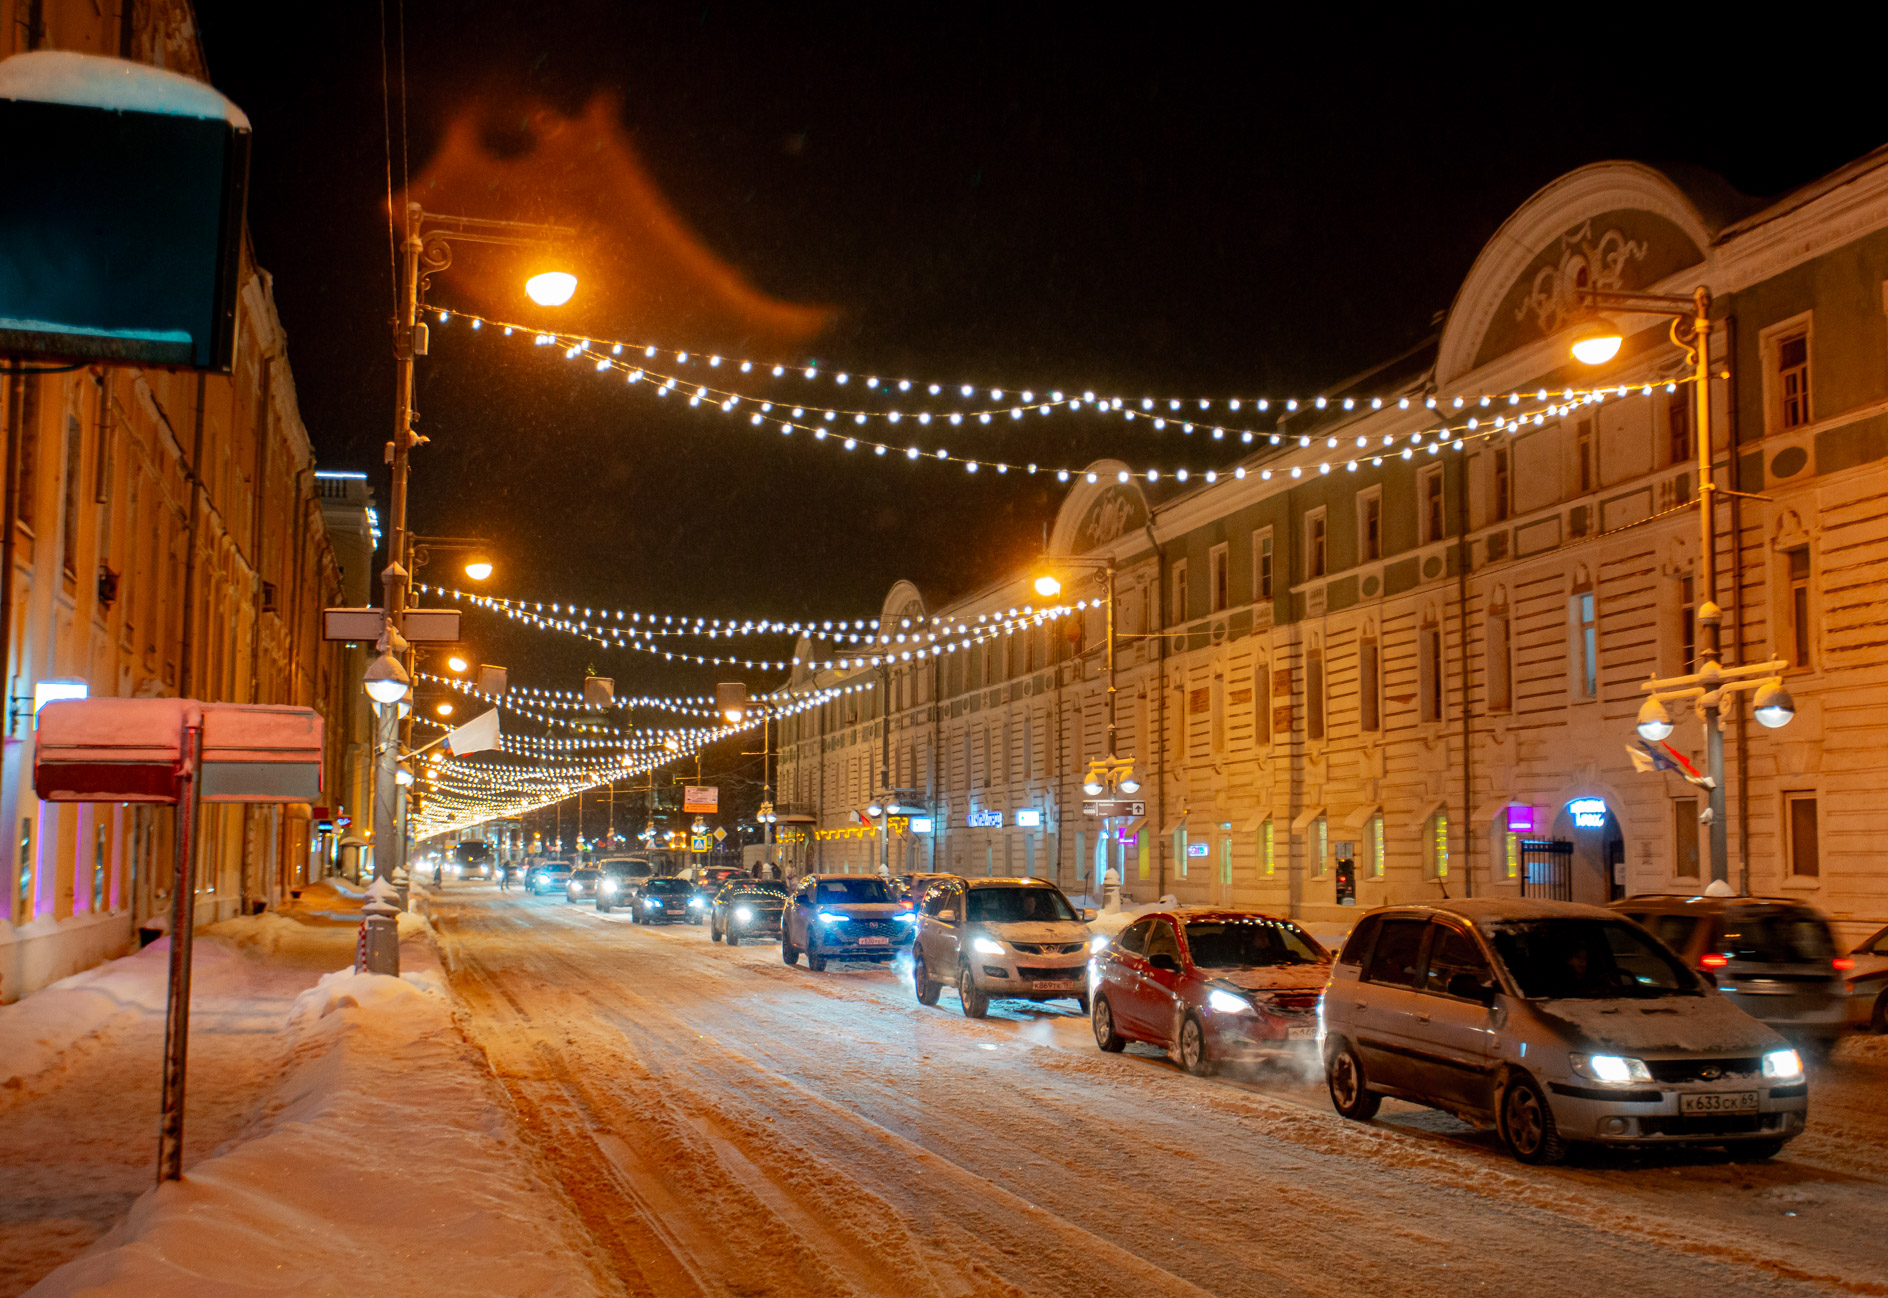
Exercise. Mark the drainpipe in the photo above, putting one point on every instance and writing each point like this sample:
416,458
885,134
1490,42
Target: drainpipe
1461,631
1160,744
10,520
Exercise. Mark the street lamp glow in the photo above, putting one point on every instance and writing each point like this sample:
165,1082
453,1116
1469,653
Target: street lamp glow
1092,787
1130,785
479,569
1773,706
874,811
1048,587
1654,721
385,679
443,709
552,288
1597,342
457,663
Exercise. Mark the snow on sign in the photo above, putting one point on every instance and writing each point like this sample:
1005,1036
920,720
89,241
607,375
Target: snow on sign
700,797
132,750
86,275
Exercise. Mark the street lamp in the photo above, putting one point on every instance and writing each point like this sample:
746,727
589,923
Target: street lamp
1048,585
1597,341
479,569
443,708
386,680
458,663
552,288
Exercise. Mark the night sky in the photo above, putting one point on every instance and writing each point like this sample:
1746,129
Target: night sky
1052,199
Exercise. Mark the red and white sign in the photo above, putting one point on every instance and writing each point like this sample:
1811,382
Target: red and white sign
701,797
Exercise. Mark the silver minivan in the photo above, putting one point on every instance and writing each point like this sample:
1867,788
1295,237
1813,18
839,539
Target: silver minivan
1551,1022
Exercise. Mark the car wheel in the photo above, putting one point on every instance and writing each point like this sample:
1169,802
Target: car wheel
1878,1022
1082,1001
1527,1124
1101,1018
1344,1078
734,939
921,983
1194,1056
1755,1151
976,1003
814,960
603,907
789,954
714,934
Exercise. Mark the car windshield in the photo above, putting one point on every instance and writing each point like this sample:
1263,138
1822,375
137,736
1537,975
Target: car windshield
1018,906
1588,959
840,892
627,869
1241,943
667,886
1777,935
585,874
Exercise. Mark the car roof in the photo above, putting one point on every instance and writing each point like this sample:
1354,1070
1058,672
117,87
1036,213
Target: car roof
1494,910
1675,902
1010,883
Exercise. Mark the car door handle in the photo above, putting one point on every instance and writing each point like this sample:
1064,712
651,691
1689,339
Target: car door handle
1422,1018
1359,1005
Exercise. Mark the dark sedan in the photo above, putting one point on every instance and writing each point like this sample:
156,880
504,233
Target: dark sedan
662,900
746,908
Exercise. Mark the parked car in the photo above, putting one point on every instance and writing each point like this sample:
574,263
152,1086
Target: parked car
746,908
842,917
661,900
1553,1022
583,882
547,876
999,938
1867,980
1774,959
619,875
1211,986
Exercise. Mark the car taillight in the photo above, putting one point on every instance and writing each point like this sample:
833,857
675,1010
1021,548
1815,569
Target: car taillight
1843,963
1714,961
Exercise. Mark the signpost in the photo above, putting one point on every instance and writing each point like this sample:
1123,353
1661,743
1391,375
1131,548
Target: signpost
182,753
1114,807
700,798
365,625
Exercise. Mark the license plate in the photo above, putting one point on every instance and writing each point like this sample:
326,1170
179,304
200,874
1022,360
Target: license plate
1301,1034
875,941
1048,986
1719,1102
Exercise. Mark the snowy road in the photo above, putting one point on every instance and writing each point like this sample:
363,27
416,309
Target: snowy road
723,1124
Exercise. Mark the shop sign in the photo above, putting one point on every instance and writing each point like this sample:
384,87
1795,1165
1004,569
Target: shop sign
1588,813
1520,819
984,820
1029,818
1198,849
920,824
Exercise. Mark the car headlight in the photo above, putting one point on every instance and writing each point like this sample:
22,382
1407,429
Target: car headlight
1099,942
984,946
694,903
743,914
1783,1065
826,916
651,902
907,917
1227,1003
1615,1070
608,885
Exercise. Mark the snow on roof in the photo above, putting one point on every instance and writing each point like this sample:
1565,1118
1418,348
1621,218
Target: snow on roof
92,81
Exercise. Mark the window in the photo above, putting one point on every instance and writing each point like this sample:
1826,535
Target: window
1685,837
1436,847
1261,704
1262,565
98,869
1268,858
1180,850
1800,825
1320,847
1687,626
1792,379
1678,427
1503,486
1397,955
1797,609
1429,492
69,515
1585,652
27,862
1178,610
1134,938
1497,664
1429,673
1315,558
1314,694
1511,843
1221,579
1161,941
1369,686
1378,850
1453,954
25,412
1583,456
1370,525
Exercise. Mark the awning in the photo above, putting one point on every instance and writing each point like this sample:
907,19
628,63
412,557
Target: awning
1252,824
1359,818
1305,817
1429,810
1175,825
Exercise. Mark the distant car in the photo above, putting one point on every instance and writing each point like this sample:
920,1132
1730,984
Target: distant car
473,861
1775,959
661,900
1867,980
548,876
994,938
708,882
620,874
911,888
1212,986
746,908
583,882
842,917
1554,1023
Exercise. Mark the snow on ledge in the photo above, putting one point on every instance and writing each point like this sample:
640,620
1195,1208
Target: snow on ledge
93,81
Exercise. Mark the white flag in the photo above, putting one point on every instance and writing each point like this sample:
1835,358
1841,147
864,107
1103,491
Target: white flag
478,735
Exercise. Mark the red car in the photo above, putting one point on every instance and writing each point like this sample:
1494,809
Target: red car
1210,986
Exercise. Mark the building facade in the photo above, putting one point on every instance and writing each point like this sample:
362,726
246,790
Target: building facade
1369,664
163,536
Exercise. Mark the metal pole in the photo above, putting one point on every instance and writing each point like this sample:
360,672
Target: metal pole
1111,747
1710,616
170,1137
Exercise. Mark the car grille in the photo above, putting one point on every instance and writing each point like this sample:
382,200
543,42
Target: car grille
1048,948
859,928
1290,1002
1695,1070
1048,973
1715,1124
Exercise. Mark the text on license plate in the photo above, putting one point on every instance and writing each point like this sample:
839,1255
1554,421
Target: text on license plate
1300,1034
875,941
1719,1102
1048,986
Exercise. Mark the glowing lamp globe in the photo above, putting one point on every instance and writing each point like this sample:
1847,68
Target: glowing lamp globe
1654,721
1773,706
479,569
1048,587
1092,788
385,679
444,709
1130,785
1597,342
457,663
552,288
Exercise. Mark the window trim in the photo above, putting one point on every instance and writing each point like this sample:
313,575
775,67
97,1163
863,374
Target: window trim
1770,341
1318,551
1366,552
1431,473
1177,584
1264,576
1786,830
1219,578
1583,635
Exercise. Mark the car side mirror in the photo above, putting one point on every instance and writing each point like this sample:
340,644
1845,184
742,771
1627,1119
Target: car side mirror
1163,962
1470,988
1088,914
1709,976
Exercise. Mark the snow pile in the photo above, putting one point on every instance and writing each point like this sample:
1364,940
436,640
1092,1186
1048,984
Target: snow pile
93,81
274,932
36,1031
384,1164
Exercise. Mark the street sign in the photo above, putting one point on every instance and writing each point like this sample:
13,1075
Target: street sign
721,834
1114,807
701,797
699,843
423,625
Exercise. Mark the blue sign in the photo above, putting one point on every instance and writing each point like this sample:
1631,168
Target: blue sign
984,820
1198,849
1588,813
1029,818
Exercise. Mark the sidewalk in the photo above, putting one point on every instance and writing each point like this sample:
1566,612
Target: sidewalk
342,1136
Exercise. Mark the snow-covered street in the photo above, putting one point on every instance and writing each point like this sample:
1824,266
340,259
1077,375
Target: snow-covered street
724,1124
